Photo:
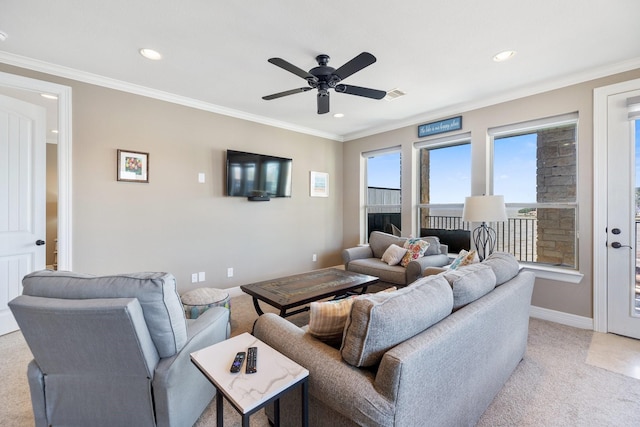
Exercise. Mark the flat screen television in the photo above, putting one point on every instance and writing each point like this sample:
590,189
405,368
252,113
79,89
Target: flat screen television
250,174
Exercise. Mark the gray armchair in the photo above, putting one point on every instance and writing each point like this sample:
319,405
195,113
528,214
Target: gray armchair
114,350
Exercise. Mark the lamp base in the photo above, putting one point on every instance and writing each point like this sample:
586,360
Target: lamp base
484,238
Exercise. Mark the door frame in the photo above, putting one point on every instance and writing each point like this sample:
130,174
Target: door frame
64,157
600,154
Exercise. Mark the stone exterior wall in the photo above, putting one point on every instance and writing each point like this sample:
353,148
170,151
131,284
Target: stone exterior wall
556,183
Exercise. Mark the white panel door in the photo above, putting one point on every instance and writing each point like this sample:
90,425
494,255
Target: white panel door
623,222
22,199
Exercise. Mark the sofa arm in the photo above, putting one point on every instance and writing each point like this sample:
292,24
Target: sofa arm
416,267
343,388
181,392
357,252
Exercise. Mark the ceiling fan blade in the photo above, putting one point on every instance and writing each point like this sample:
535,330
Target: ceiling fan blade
323,103
361,91
285,93
291,68
356,64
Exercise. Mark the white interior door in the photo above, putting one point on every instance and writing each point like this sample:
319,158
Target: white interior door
623,218
22,199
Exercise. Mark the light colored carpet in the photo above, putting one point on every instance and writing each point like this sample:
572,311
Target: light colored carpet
552,386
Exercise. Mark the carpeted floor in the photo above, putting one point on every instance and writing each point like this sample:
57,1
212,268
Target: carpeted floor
552,386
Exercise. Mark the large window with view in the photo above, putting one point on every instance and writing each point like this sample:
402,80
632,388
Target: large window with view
383,191
534,167
445,180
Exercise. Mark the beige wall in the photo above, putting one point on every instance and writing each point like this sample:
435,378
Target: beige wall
554,295
176,224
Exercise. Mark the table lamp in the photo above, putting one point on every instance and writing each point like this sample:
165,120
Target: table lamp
484,209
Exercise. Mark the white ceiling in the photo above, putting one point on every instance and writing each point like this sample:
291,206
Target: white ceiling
215,52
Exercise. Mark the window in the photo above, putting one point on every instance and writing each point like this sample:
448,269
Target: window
383,191
534,167
445,180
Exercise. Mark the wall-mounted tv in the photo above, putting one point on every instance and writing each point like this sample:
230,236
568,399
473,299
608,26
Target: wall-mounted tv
249,174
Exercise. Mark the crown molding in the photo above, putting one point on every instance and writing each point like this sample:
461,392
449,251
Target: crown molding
544,86
95,79
541,87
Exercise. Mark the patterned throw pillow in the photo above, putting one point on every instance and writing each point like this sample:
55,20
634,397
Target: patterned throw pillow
465,258
393,255
415,249
327,319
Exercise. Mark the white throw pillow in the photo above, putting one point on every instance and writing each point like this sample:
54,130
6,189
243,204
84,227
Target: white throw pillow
394,254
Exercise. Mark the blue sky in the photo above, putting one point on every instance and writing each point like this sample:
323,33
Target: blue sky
450,174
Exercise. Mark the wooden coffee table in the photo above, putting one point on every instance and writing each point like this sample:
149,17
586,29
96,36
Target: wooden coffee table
293,291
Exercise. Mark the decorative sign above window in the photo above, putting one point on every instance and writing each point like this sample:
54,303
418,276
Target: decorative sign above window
440,126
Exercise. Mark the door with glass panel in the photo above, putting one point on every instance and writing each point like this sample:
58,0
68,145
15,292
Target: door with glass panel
623,214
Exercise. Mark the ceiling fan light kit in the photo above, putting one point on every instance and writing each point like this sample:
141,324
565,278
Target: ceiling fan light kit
323,78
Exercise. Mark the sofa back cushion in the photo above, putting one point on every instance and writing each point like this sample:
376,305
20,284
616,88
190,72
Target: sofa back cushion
470,283
504,265
379,242
156,293
381,321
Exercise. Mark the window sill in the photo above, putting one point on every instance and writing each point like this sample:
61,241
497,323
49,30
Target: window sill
551,273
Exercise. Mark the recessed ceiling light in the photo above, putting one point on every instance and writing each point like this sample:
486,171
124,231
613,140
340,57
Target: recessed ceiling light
54,131
3,36
150,54
504,55
49,96
338,115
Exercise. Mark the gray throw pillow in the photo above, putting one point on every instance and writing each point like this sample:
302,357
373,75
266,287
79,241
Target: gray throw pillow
434,245
381,321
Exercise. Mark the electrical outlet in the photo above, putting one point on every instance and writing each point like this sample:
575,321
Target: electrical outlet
314,258
201,276
194,277
201,177
230,272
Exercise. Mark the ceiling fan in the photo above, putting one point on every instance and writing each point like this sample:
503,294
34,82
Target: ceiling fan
324,78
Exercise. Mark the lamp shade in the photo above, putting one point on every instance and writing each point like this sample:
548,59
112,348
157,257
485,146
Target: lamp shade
484,209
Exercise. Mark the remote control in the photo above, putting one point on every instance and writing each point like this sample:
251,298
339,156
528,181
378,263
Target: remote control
237,362
252,360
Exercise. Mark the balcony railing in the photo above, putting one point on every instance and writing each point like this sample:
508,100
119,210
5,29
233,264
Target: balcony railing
516,235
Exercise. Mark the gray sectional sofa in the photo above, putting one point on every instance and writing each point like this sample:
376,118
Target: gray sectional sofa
434,353
367,259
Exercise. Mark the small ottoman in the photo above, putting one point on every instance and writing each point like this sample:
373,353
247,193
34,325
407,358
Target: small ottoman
199,300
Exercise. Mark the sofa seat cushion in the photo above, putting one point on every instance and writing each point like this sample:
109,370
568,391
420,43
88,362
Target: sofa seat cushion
504,265
156,292
395,274
470,283
380,321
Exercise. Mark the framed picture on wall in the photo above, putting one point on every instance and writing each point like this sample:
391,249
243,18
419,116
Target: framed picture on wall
319,184
133,166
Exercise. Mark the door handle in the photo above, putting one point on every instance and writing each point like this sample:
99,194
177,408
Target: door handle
618,245
39,242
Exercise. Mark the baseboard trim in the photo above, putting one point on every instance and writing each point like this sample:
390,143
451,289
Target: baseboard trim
562,318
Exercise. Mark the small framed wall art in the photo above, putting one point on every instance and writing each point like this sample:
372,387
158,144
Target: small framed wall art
133,166
319,184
